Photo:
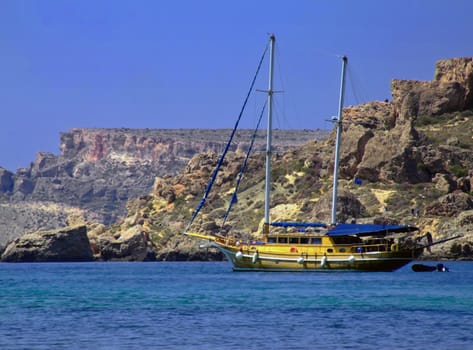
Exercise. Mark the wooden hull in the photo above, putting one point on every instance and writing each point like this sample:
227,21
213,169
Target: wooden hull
263,259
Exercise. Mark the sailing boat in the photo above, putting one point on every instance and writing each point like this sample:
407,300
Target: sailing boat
309,246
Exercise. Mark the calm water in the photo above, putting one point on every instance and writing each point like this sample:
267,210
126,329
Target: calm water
207,306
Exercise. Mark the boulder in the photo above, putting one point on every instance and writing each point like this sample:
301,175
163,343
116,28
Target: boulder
451,204
348,207
130,245
187,249
464,184
64,244
444,183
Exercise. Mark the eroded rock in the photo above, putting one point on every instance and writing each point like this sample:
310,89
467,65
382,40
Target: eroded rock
64,244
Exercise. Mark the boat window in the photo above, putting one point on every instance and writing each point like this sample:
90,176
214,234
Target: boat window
304,240
316,240
346,240
271,239
282,239
294,240
329,250
342,250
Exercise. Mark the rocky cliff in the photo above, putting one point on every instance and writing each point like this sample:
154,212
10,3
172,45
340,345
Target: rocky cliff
412,159
410,166
99,170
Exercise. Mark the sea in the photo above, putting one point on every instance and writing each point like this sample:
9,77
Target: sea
205,305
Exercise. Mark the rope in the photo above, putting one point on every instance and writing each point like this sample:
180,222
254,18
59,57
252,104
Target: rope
243,167
355,84
222,157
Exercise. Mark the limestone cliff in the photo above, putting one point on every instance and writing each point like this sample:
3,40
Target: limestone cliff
99,170
381,142
410,172
413,155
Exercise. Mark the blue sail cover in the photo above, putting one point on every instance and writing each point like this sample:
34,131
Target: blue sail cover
368,229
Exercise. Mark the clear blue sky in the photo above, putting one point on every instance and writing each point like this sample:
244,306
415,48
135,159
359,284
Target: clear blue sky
187,64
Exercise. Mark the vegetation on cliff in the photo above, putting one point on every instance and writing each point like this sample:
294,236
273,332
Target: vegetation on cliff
99,170
409,160
413,157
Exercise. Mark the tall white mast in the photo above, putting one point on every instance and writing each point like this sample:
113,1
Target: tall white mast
270,91
338,121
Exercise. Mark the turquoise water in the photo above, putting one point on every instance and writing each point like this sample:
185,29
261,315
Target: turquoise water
207,306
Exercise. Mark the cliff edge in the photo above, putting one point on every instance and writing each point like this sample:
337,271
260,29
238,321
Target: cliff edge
99,170
409,160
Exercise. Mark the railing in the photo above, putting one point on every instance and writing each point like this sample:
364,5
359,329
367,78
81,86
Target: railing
370,248
225,240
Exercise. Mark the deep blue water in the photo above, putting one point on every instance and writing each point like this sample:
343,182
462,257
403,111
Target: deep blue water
207,306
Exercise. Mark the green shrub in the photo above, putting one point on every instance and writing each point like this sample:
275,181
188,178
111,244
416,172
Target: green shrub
458,170
425,120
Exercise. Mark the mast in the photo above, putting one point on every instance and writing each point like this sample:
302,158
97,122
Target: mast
270,91
338,121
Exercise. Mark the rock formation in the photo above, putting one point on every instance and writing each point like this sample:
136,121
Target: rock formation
99,170
6,181
131,245
65,244
412,159
405,171
380,142
450,90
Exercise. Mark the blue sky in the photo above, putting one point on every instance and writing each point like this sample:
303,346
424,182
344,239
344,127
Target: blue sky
188,64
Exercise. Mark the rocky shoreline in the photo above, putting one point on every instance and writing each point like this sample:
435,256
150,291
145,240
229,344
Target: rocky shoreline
74,244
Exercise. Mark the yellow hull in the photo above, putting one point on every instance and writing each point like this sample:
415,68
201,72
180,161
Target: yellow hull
303,258
325,256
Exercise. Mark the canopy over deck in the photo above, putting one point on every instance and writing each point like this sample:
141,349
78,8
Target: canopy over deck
368,229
